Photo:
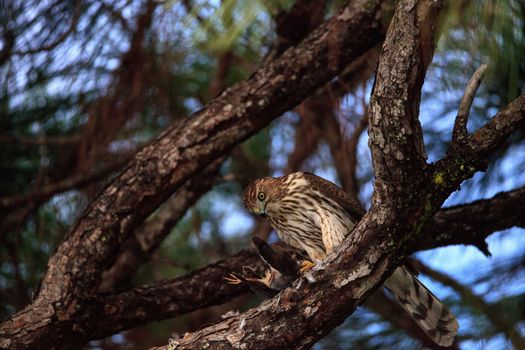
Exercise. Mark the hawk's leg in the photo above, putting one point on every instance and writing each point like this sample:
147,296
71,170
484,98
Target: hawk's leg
315,257
306,265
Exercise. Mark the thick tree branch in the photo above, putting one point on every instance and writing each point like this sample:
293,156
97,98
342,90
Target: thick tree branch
147,238
160,168
395,136
178,154
162,300
486,139
104,315
107,315
472,223
301,315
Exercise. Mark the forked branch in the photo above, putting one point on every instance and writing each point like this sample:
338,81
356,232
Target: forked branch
180,153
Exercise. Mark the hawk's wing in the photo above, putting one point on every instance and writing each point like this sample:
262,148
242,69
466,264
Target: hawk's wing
329,189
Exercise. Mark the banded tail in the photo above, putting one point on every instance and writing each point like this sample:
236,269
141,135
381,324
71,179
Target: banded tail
423,306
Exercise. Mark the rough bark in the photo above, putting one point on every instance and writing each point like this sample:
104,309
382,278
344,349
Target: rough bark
139,248
163,300
159,169
403,202
105,315
121,311
472,223
299,316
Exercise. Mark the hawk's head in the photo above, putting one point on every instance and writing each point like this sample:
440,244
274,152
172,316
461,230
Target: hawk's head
262,195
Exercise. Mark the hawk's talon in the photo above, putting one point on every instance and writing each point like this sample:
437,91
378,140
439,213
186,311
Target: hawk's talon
306,265
232,279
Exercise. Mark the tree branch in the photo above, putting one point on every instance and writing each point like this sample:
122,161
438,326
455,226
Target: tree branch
146,239
395,136
459,133
107,315
461,163
472,223
162,300
490,136
182,151
159,169
301,315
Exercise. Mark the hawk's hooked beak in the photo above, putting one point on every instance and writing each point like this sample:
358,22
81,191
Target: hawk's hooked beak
260,210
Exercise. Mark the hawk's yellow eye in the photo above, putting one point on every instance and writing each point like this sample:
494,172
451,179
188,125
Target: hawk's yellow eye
261,196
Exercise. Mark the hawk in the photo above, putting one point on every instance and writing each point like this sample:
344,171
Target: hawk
312,214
